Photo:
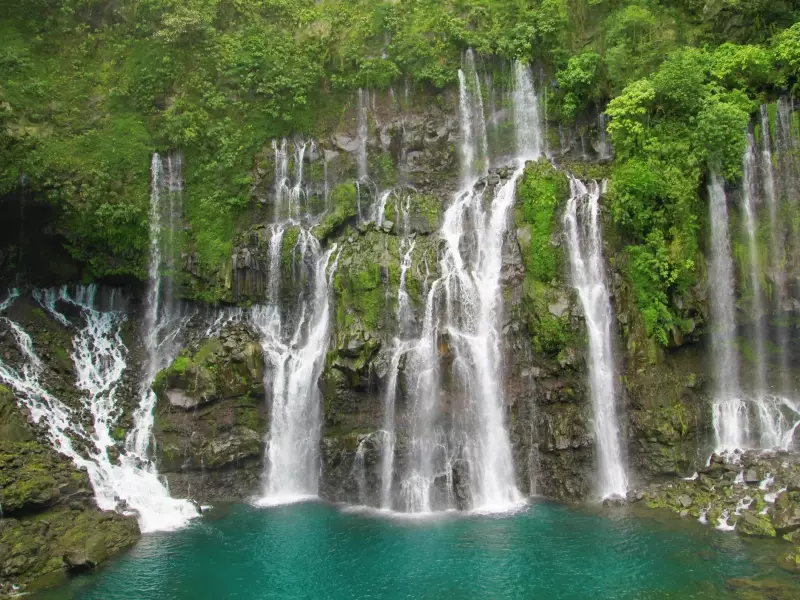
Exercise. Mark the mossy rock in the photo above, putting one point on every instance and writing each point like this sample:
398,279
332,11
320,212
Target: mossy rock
210,413
761,589
540,193
411,212
34,477
789,560
212,372
39,551
13,426
755,524
343,210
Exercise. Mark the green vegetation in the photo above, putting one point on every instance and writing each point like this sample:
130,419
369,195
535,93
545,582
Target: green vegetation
90,88
542,189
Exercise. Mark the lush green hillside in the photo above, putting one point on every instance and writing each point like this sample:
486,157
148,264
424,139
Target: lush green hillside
89,88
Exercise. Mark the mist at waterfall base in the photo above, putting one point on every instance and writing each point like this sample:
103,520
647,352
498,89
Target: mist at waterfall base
313,550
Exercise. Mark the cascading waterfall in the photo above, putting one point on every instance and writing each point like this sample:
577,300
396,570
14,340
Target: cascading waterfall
729,410
162,326
98,357
776,239
466,305
402,343
294,369
429,455
290,198
759,418
44,408
474,143
585,244
774,429
294,342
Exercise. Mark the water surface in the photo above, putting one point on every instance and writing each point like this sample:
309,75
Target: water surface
548,552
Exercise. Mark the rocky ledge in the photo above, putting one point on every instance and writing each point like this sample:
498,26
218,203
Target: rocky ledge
751,493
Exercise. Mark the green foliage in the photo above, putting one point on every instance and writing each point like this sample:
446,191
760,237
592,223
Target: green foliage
361,296
91,88
669,129
787,51
744,67
551,335
578,80
637,41
541,191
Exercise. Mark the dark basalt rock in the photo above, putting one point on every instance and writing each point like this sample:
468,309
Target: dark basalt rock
211,418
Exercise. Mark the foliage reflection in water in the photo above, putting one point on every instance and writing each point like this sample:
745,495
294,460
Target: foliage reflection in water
550,552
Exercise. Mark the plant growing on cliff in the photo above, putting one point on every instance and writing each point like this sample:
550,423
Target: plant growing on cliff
668,129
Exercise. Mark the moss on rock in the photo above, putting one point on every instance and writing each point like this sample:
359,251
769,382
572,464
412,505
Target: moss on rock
343,203
213,451
542,189
51,524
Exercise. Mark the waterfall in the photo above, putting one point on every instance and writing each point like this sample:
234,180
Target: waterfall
776,415
295,364
380,213
749,196
162,326
44,408
290,197
294,335
585,244
401,343
528,121
464,307
428,453
603,147
98,355
474,143
776,240
729,410
362,133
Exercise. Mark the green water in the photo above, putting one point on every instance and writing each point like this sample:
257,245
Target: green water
548,552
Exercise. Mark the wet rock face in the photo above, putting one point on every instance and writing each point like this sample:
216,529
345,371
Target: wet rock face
211,418
409,147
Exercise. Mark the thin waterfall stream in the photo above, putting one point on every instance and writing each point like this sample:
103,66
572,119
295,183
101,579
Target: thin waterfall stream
729,411
585,244
750,416
131,483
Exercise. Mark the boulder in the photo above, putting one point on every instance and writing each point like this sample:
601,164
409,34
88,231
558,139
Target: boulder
755,524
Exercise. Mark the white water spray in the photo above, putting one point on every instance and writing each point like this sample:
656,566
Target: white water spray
294,369
729,409
585,245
